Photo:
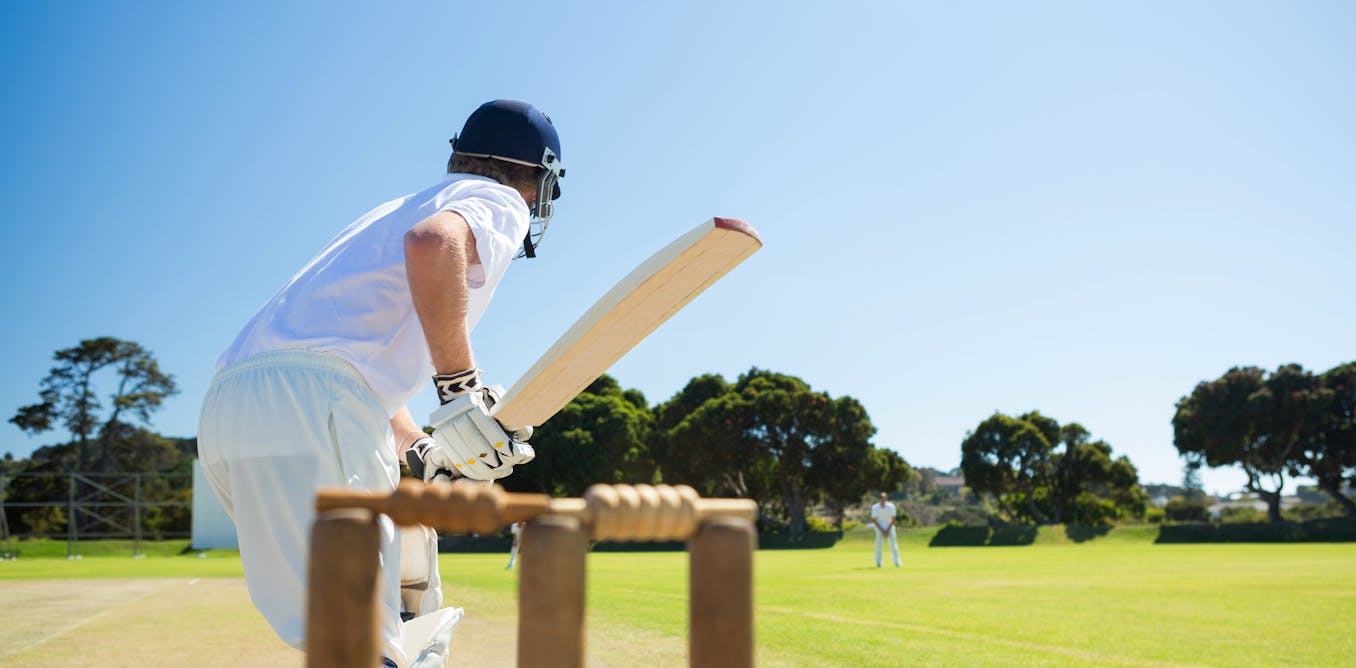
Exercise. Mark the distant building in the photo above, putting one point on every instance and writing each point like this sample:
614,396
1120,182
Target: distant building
1248,501
952,483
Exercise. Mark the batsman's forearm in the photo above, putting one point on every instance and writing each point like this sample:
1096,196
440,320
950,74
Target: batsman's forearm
436,259
405,431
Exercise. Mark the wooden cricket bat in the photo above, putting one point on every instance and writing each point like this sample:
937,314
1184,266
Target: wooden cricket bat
623,317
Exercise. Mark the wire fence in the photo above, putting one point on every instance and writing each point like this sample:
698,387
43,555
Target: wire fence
93,506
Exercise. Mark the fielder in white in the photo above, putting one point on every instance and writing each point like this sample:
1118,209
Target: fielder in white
516,530
883,521
313,390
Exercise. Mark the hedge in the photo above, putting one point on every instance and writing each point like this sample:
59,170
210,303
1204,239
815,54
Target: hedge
1327,530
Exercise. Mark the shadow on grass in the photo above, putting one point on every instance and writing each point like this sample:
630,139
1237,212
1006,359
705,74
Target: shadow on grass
1083,534
1014,534
959,536
1007,535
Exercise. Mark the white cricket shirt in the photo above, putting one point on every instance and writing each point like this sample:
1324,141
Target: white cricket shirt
882,514
353,300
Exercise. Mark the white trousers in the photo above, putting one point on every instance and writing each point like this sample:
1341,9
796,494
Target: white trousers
273,429
894,545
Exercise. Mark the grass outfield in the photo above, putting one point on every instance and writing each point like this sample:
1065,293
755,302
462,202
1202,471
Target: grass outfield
1116,600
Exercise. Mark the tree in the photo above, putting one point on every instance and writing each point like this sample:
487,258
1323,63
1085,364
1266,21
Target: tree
848,466
68,396
1250,419
600,436
1038,471
1329,454
691,452
760,438
133,450
744,440
1008,458
1183,508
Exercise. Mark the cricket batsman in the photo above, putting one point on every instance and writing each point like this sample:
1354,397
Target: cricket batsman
313,391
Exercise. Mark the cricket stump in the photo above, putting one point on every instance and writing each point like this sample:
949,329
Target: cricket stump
343,615
551,593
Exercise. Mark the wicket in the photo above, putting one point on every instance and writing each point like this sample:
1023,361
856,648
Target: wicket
342,615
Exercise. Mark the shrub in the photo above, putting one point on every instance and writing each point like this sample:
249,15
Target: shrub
1182,509
1242,516
1323,530
963,516
818,524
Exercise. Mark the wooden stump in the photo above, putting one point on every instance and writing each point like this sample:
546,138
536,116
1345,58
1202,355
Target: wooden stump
551,593
341,604
720,598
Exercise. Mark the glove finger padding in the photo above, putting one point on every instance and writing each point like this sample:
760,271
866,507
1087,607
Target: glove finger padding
520,453
429,461
493,394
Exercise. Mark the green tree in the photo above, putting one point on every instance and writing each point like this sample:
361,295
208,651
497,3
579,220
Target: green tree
1247,418
1036,470
778,420
761,438
600,436
133,450
1009,459
848,466
693,449
1329,455
1187,508
68,396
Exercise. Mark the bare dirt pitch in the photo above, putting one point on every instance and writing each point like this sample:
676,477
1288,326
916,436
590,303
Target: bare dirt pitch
210,622
177,622
136,622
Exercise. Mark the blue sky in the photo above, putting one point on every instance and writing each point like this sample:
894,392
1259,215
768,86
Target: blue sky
1081,208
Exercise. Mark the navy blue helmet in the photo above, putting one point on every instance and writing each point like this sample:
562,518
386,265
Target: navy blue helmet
520,133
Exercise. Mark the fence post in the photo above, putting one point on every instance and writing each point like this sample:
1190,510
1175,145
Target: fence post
70,519
136,516
4,520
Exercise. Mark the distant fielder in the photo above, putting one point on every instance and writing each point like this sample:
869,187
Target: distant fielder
883,521
516,530
312,392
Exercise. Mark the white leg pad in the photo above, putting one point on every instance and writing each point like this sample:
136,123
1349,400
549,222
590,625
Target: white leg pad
421,590
428,638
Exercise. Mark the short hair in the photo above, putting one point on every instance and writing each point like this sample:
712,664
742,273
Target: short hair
516,176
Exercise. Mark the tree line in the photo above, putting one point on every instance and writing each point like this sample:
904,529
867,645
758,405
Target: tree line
771,437
767,436
107,438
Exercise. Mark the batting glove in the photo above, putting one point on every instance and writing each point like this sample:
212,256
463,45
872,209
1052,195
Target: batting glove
469,441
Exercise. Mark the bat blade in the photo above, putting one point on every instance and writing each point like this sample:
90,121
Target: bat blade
636,306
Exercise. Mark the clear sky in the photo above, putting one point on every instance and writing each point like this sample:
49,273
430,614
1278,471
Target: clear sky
1081,208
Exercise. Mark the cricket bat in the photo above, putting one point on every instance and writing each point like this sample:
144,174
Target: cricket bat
622,318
